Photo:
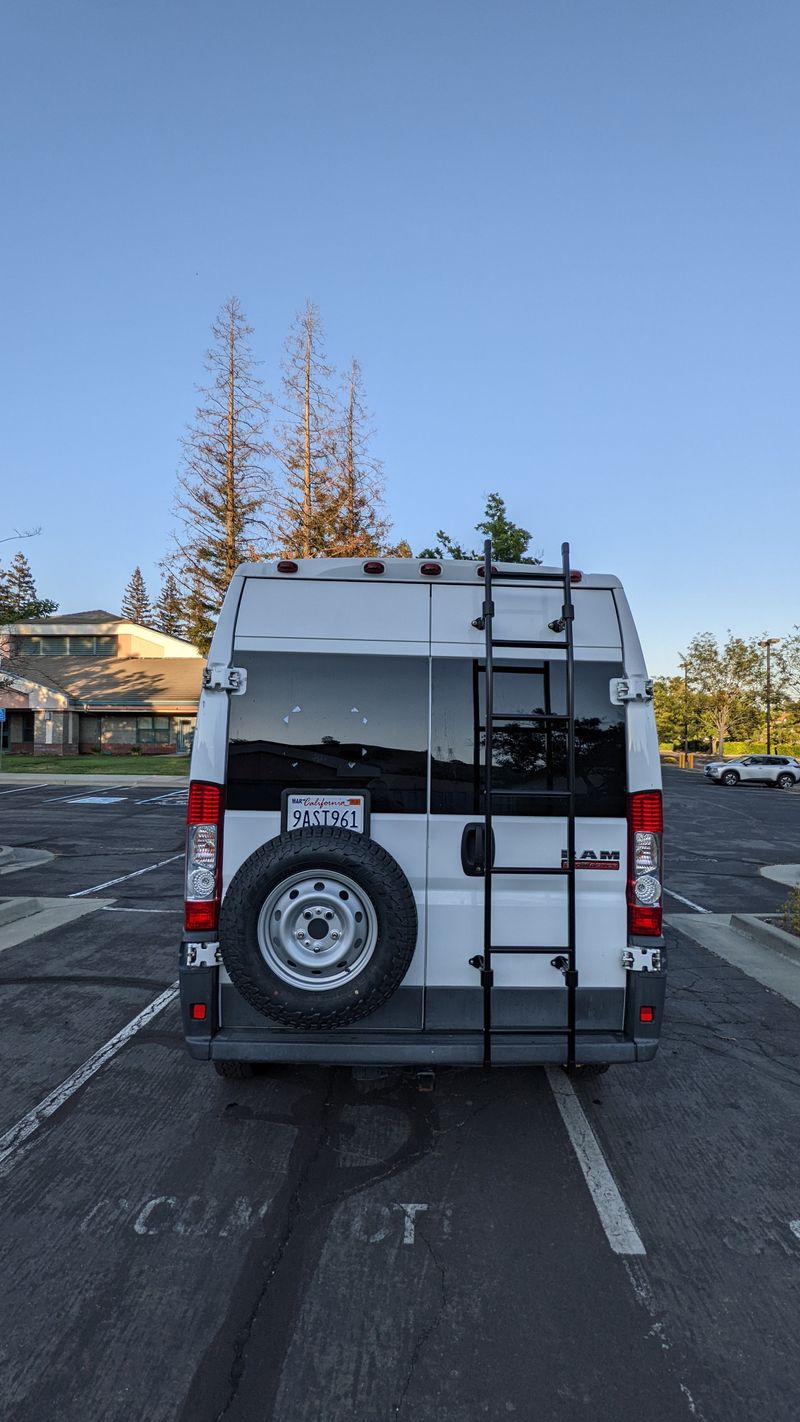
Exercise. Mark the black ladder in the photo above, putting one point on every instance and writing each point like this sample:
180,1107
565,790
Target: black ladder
564,958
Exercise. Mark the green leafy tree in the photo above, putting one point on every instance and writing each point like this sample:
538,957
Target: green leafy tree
19,599
135,600
677,706
729,679
169,613
510,542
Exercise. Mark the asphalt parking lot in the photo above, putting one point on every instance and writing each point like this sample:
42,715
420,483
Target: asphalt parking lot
314,1245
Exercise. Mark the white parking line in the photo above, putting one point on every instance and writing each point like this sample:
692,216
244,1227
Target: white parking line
174,797
95,889
99,790
615,1218
14,1138
682,900
24,789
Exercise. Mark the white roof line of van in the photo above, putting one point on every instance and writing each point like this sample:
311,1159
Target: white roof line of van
408,570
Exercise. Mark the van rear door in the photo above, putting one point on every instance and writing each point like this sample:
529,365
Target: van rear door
529,755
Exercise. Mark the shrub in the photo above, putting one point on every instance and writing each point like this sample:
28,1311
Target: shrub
790,914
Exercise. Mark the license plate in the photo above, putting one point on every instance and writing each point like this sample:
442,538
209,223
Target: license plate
325,811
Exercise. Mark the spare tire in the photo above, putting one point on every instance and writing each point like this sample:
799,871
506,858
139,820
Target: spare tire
318,928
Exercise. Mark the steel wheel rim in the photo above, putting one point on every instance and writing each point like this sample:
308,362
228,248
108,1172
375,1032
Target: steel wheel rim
338,946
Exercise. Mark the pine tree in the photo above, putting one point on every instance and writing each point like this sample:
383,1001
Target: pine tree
19,600
199,622
356,528
305,444
224,481
135,601
169,611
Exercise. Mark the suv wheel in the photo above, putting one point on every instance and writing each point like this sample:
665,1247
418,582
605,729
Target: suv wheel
785,780
730,777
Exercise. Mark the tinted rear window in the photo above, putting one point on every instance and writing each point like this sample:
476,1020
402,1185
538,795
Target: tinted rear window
528,755
319,721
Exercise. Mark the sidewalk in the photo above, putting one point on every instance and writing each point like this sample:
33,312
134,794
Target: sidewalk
768,965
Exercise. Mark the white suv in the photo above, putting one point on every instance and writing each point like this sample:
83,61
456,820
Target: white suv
782,771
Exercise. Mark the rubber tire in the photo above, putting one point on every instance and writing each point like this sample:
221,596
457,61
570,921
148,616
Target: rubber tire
368,865
729,778
786,781
235,1071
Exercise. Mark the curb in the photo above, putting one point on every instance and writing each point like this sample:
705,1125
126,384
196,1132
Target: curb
757,927
13,909
45,778
6,855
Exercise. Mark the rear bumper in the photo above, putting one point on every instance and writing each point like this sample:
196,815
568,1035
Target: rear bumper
207,1040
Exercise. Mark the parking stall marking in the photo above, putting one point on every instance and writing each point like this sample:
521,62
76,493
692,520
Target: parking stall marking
682,900
12,1143
106,790
95,889
613,1213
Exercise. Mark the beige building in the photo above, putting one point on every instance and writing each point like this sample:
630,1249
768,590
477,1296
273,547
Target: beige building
92,683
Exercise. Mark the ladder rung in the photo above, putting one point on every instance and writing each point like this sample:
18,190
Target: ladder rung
527,716
504,642
517,948
527,869
532,794
522,575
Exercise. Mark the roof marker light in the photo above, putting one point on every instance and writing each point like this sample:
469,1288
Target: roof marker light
373,567
286,565
576,576
430,570
482,571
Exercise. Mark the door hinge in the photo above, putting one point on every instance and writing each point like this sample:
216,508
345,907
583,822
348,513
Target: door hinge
630,688
642,960
219,678
203,955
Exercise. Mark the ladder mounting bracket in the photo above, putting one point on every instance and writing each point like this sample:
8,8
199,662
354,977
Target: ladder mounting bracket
630,688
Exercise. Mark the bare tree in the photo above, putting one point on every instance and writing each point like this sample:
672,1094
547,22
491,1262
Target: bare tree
224,482
305,443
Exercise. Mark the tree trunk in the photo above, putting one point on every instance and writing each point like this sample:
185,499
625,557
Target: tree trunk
307,507
230,461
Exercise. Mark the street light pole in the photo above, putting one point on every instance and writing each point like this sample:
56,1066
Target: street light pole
769,643
685,666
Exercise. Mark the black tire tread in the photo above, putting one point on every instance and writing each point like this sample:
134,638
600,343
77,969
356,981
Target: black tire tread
234,1071
289,853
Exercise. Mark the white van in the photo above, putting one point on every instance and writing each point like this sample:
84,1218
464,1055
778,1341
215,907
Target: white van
364,882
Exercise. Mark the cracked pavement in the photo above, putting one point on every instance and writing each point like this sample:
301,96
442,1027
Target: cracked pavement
313,1244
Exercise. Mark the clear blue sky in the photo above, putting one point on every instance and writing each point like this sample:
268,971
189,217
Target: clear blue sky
562,238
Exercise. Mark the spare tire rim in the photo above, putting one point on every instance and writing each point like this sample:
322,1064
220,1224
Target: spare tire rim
317,931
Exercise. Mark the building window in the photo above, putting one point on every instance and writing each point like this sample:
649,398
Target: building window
152,730
74,646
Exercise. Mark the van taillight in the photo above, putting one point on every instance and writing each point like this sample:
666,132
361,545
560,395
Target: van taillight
203,856
373,566
286,565
645,862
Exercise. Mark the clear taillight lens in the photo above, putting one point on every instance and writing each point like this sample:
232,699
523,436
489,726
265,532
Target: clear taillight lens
645,830
203,856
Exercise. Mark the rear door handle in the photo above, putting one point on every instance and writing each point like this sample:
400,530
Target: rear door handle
473,849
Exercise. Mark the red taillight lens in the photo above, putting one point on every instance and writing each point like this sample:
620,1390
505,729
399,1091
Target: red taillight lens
482,570
197,1012
373,567
645,863
205,803
430,570
647,1014
575,576
203,856
286,565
